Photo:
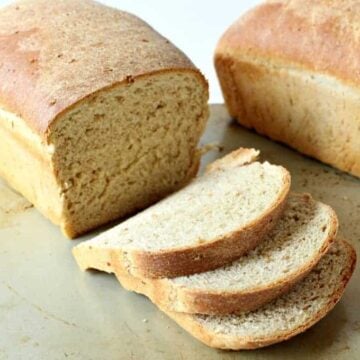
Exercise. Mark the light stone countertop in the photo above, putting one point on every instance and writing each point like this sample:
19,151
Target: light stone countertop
50,310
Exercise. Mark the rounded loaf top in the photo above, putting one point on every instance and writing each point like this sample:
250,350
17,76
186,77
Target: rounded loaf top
319,36
55,53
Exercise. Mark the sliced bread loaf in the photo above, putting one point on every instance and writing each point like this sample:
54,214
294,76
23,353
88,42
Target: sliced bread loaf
301,237
213,221
289,315
100,115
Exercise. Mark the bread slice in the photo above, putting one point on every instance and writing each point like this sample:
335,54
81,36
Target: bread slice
301,237
213,221
289,315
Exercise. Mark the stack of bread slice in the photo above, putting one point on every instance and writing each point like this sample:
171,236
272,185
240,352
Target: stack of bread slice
234,258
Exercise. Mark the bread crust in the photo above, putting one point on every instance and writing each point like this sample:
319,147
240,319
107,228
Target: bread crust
182,299
301,75
58,68
242,343
306,33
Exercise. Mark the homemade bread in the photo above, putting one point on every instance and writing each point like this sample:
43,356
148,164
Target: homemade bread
301,237
290,70
289,315
209,223
100,115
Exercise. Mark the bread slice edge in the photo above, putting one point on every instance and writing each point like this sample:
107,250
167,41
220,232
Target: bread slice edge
201,301
242,343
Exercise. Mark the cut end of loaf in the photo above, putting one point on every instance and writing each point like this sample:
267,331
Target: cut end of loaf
126,147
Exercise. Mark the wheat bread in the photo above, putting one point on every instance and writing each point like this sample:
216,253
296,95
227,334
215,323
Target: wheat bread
287,69
289,315
301,237
214,220
100,115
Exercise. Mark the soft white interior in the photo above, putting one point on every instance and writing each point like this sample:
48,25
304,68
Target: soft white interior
210,207
293,243
288,312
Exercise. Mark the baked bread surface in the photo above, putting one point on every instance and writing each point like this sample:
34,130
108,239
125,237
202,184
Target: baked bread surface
55,53
290,70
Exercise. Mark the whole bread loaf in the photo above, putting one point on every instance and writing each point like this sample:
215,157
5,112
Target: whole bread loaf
290,70
99,114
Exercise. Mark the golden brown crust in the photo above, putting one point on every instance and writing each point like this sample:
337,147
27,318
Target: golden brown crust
200,258
182,299
62,51
242,343
312,34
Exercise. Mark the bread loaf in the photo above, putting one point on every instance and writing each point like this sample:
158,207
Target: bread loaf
100,115
290,70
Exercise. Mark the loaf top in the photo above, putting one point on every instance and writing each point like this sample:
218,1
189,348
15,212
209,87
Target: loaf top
317,35
55,53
